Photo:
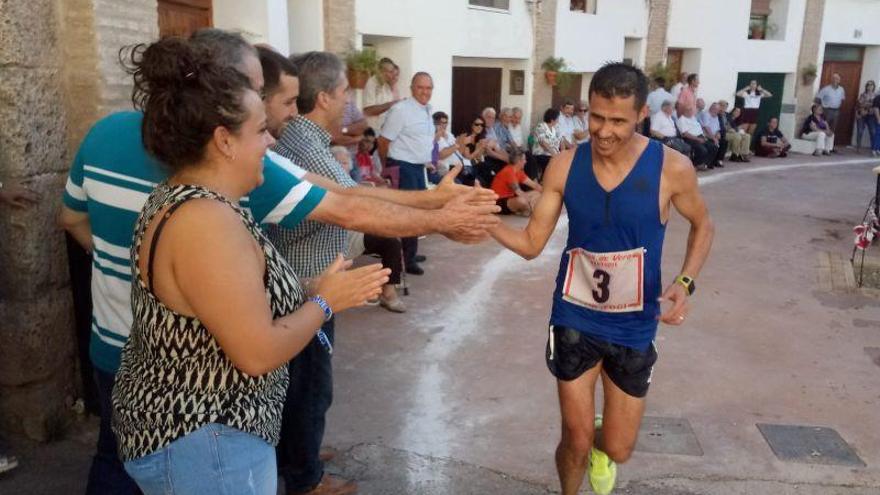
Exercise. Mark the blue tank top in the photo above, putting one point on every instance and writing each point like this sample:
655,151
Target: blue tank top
609,276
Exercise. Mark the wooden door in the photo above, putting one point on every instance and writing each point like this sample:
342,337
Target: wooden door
183,17
473,89
674,59
846,61
570,91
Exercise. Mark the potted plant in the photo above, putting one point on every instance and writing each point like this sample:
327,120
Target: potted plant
664,71
808,74
552,67
361,65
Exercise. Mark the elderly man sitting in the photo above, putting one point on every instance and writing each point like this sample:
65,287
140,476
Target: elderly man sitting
712,130
663,129
703,150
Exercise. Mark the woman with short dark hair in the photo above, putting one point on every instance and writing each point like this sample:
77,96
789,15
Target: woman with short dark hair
218,313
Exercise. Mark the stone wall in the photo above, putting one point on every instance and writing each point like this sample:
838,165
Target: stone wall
58,74
809,54
658,25
339,26
545,42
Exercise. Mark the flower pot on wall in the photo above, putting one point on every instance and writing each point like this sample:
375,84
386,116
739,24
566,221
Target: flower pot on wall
551,77
808,79
357,79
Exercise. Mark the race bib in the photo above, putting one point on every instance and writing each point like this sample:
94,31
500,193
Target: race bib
607,282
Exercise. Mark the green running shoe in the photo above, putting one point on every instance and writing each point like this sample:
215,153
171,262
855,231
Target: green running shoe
603,472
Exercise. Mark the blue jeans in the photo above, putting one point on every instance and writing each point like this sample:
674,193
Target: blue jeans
412,178
867,123
107,476
309,396
875,144
213,459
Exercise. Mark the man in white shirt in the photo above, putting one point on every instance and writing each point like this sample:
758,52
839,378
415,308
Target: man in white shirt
662,125
712,130
406,141
380,94
703,150
658,96
515,128
568,129
831,97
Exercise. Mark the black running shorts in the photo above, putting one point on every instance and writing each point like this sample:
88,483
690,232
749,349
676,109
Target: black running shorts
573,353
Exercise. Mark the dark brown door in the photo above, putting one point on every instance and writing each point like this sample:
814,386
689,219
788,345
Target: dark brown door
183,17
569,90
674,59
473,89
850,75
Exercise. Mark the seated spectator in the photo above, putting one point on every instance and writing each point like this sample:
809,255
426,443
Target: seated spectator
739,141
515,128
367,160
663,129
502,132
815,128
547,141
343,158
582,122
350,133
446,147
474,147
771,142
712,130
508,184
656,98
571,131
495,156
703,150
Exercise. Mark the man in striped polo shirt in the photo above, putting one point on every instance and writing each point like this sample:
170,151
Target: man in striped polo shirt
109,181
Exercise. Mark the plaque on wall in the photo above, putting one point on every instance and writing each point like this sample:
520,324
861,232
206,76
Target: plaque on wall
517,82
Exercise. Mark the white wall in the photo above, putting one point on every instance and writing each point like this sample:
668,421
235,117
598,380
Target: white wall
587,41
259,21
437,31
720,31
306,20
843,18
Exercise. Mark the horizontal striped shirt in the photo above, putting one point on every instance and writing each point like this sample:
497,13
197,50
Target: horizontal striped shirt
110,179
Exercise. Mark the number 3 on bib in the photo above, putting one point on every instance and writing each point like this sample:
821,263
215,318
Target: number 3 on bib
607,282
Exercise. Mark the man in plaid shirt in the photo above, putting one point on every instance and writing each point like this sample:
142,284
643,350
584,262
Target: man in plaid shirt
312,246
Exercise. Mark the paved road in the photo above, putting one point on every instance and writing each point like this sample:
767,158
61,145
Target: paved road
454,397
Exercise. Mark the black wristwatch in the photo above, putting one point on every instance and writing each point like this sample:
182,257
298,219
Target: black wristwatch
687,283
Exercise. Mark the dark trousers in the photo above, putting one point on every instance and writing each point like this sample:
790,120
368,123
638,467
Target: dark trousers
542,161
107,475
412,178
389,250
703,153
309,396
722,149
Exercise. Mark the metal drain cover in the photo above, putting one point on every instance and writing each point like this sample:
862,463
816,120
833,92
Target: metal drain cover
660,435
809,445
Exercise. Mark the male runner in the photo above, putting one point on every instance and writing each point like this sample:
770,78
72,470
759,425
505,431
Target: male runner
617,190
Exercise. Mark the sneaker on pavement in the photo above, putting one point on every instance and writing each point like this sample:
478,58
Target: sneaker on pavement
394,305
603,472
414,269
420,258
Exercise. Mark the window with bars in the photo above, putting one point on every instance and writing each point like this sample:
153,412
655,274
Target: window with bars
493,4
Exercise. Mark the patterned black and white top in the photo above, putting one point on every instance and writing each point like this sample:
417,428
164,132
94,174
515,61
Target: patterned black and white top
174,377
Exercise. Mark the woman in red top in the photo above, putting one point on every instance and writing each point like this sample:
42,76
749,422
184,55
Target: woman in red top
507,184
